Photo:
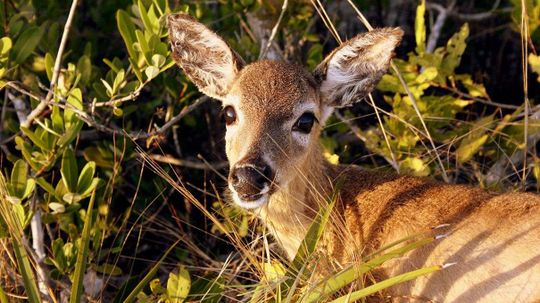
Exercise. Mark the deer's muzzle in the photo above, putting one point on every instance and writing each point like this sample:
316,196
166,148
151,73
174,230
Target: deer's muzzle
250,182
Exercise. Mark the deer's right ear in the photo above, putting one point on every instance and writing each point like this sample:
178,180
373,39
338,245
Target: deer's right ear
205,58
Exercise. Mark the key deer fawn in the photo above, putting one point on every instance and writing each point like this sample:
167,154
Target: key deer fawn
274,113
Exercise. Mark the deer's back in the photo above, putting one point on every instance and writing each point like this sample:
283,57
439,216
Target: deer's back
493,238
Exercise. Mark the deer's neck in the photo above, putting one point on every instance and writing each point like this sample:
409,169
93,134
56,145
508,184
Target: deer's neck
292,208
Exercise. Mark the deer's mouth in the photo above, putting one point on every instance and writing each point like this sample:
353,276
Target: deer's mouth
251,200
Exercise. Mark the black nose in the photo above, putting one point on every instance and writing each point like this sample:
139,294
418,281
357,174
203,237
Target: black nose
248,180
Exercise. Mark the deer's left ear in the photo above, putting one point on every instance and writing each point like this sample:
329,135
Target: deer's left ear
353,70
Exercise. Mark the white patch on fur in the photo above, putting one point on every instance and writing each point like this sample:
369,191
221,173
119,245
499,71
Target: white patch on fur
301,108
300,138
250,204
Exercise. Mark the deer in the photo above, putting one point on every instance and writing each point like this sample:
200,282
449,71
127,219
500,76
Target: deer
274,112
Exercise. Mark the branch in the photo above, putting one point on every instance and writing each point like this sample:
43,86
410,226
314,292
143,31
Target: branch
56,71
274,30
437,27
186,110
114,102
187,163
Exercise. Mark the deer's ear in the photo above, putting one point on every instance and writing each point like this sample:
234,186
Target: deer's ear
353,70
205,58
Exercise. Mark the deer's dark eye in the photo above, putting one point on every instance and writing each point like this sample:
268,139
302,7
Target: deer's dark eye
229,114
304,123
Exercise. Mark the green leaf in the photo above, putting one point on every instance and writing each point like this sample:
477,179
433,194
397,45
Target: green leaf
82,254
30,185
72,198
118,112
475,139
49,65
57,208
18,178
144,46
455,48
158,60
127,31
75,100
149,20
69,170
5,45
45,185
86,176
35,139
84,66
420,27
118,81
534,63
415,166
151,72
110,91
70,134
27,43
88,191
156,288
178,285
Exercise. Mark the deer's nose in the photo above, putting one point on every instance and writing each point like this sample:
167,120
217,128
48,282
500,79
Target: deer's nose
249,181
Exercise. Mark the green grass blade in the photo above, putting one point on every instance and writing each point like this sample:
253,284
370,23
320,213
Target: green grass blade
82,254
14,227
3,297
25,269
340,280
386,283
133,295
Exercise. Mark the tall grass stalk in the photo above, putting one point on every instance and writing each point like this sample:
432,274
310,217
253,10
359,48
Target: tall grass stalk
13,216
82,254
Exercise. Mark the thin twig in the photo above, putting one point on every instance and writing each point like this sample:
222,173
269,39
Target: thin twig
186,110
274,30
188,163
437,27
472,17
56,71
393,162
115,102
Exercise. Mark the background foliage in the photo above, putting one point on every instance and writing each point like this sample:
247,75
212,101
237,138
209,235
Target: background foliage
110,157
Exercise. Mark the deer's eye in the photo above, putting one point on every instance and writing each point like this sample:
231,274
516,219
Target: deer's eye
304,123
229,114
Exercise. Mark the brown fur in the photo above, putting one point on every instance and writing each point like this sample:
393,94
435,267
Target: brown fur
493,238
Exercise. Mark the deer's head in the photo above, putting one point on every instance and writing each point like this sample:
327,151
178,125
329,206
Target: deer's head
274,111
